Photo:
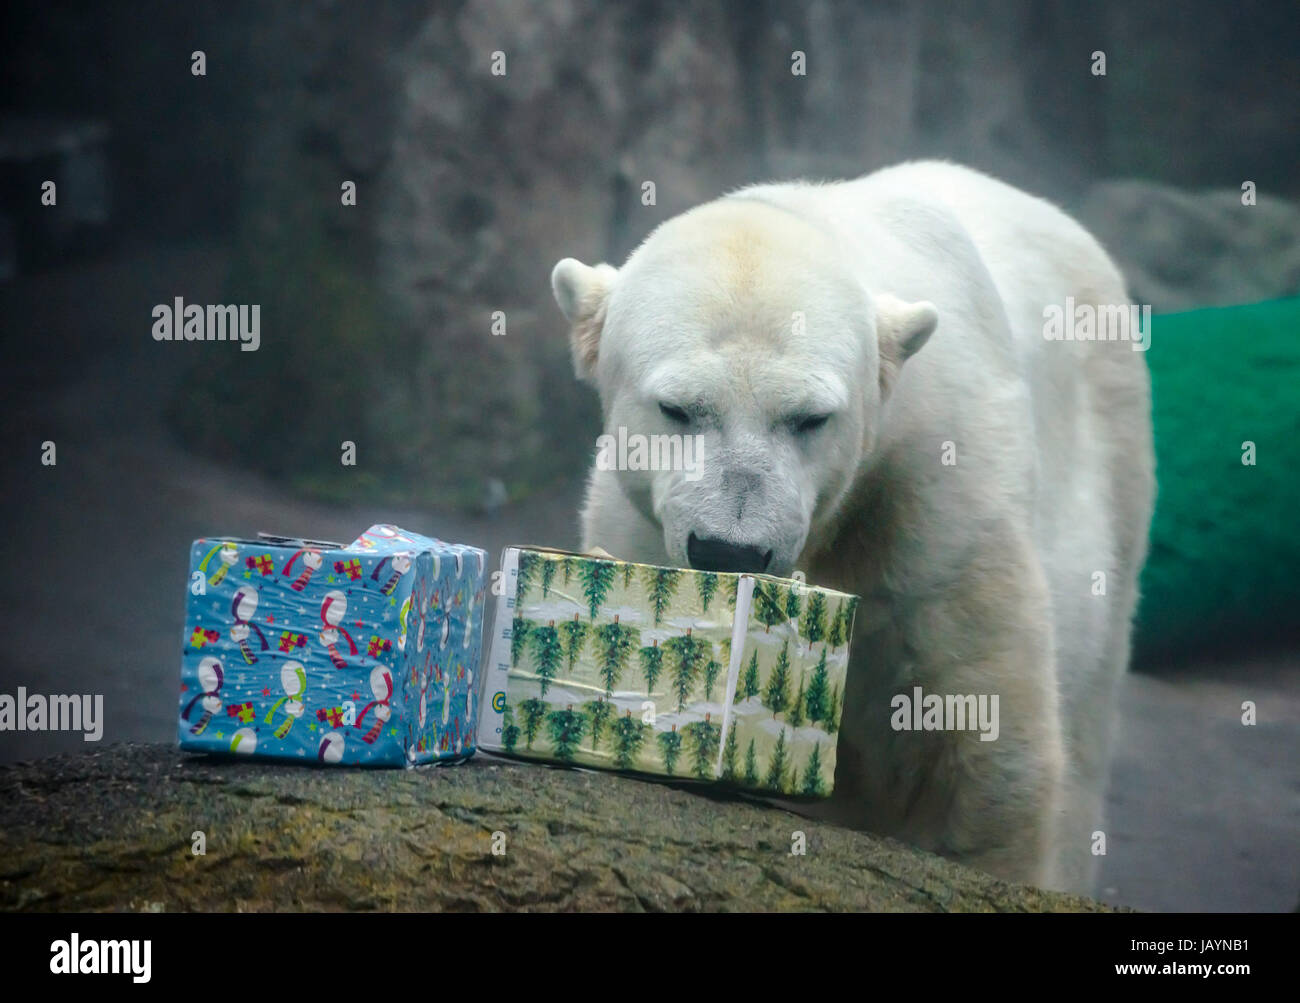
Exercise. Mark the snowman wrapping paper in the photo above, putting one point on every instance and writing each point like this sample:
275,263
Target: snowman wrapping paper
315,652
673,672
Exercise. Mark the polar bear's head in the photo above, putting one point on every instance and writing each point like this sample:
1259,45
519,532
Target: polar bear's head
744,326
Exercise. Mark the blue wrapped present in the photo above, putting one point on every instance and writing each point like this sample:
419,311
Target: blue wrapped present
324,653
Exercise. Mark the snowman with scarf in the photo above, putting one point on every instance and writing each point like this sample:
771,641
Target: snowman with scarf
228,555
243,607
211,678
293,680
401,565
381,687
311,563
334,607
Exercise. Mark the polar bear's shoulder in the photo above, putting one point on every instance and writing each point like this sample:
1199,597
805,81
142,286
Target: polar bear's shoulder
998,216
888,204
935,199
954,186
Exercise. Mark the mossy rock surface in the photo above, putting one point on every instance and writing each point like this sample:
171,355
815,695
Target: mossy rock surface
113,830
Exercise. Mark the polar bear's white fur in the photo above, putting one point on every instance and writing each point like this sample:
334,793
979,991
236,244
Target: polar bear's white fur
988,498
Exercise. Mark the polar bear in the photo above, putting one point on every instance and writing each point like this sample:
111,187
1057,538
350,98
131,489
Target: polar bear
881,402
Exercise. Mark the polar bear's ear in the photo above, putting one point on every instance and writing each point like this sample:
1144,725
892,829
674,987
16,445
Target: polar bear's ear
582,293
901,329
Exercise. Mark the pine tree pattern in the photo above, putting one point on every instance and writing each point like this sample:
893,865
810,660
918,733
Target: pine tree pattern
791,603
597,579
615,642
670,747
519,629
813,784
509,730
566,728
652,664
750,779
534,713
812,625
794,716
598,714
776,697
776,766
575,636
688,654
817,699
750,687
833,711
628,737
704,737
729,772
706,583
712,670
547,654
524,575
661,584
835,636
590,635
768,607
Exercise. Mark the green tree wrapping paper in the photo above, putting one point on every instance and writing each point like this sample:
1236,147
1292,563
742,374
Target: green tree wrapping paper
667,671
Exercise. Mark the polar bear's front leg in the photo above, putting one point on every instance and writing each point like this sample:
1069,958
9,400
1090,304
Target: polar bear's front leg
985,630
990,797
1005,796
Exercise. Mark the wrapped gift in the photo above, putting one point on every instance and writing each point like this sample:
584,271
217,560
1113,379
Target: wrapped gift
710,676
319,652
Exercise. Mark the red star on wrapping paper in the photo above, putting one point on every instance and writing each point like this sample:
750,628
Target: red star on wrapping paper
360,623
270,619
356,696
184,687
265,692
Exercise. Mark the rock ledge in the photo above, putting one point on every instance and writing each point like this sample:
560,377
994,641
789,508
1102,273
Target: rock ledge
113,830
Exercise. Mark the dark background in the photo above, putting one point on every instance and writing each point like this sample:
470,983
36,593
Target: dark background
376,318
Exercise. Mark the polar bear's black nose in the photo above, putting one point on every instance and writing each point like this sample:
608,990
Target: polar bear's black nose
712,554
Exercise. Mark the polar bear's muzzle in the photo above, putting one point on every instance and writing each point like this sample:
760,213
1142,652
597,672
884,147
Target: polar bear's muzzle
712,554
748,513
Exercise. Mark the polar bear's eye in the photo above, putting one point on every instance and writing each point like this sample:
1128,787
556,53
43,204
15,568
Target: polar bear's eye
809,422
673,413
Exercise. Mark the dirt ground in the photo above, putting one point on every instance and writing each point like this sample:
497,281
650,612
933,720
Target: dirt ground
1204,812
